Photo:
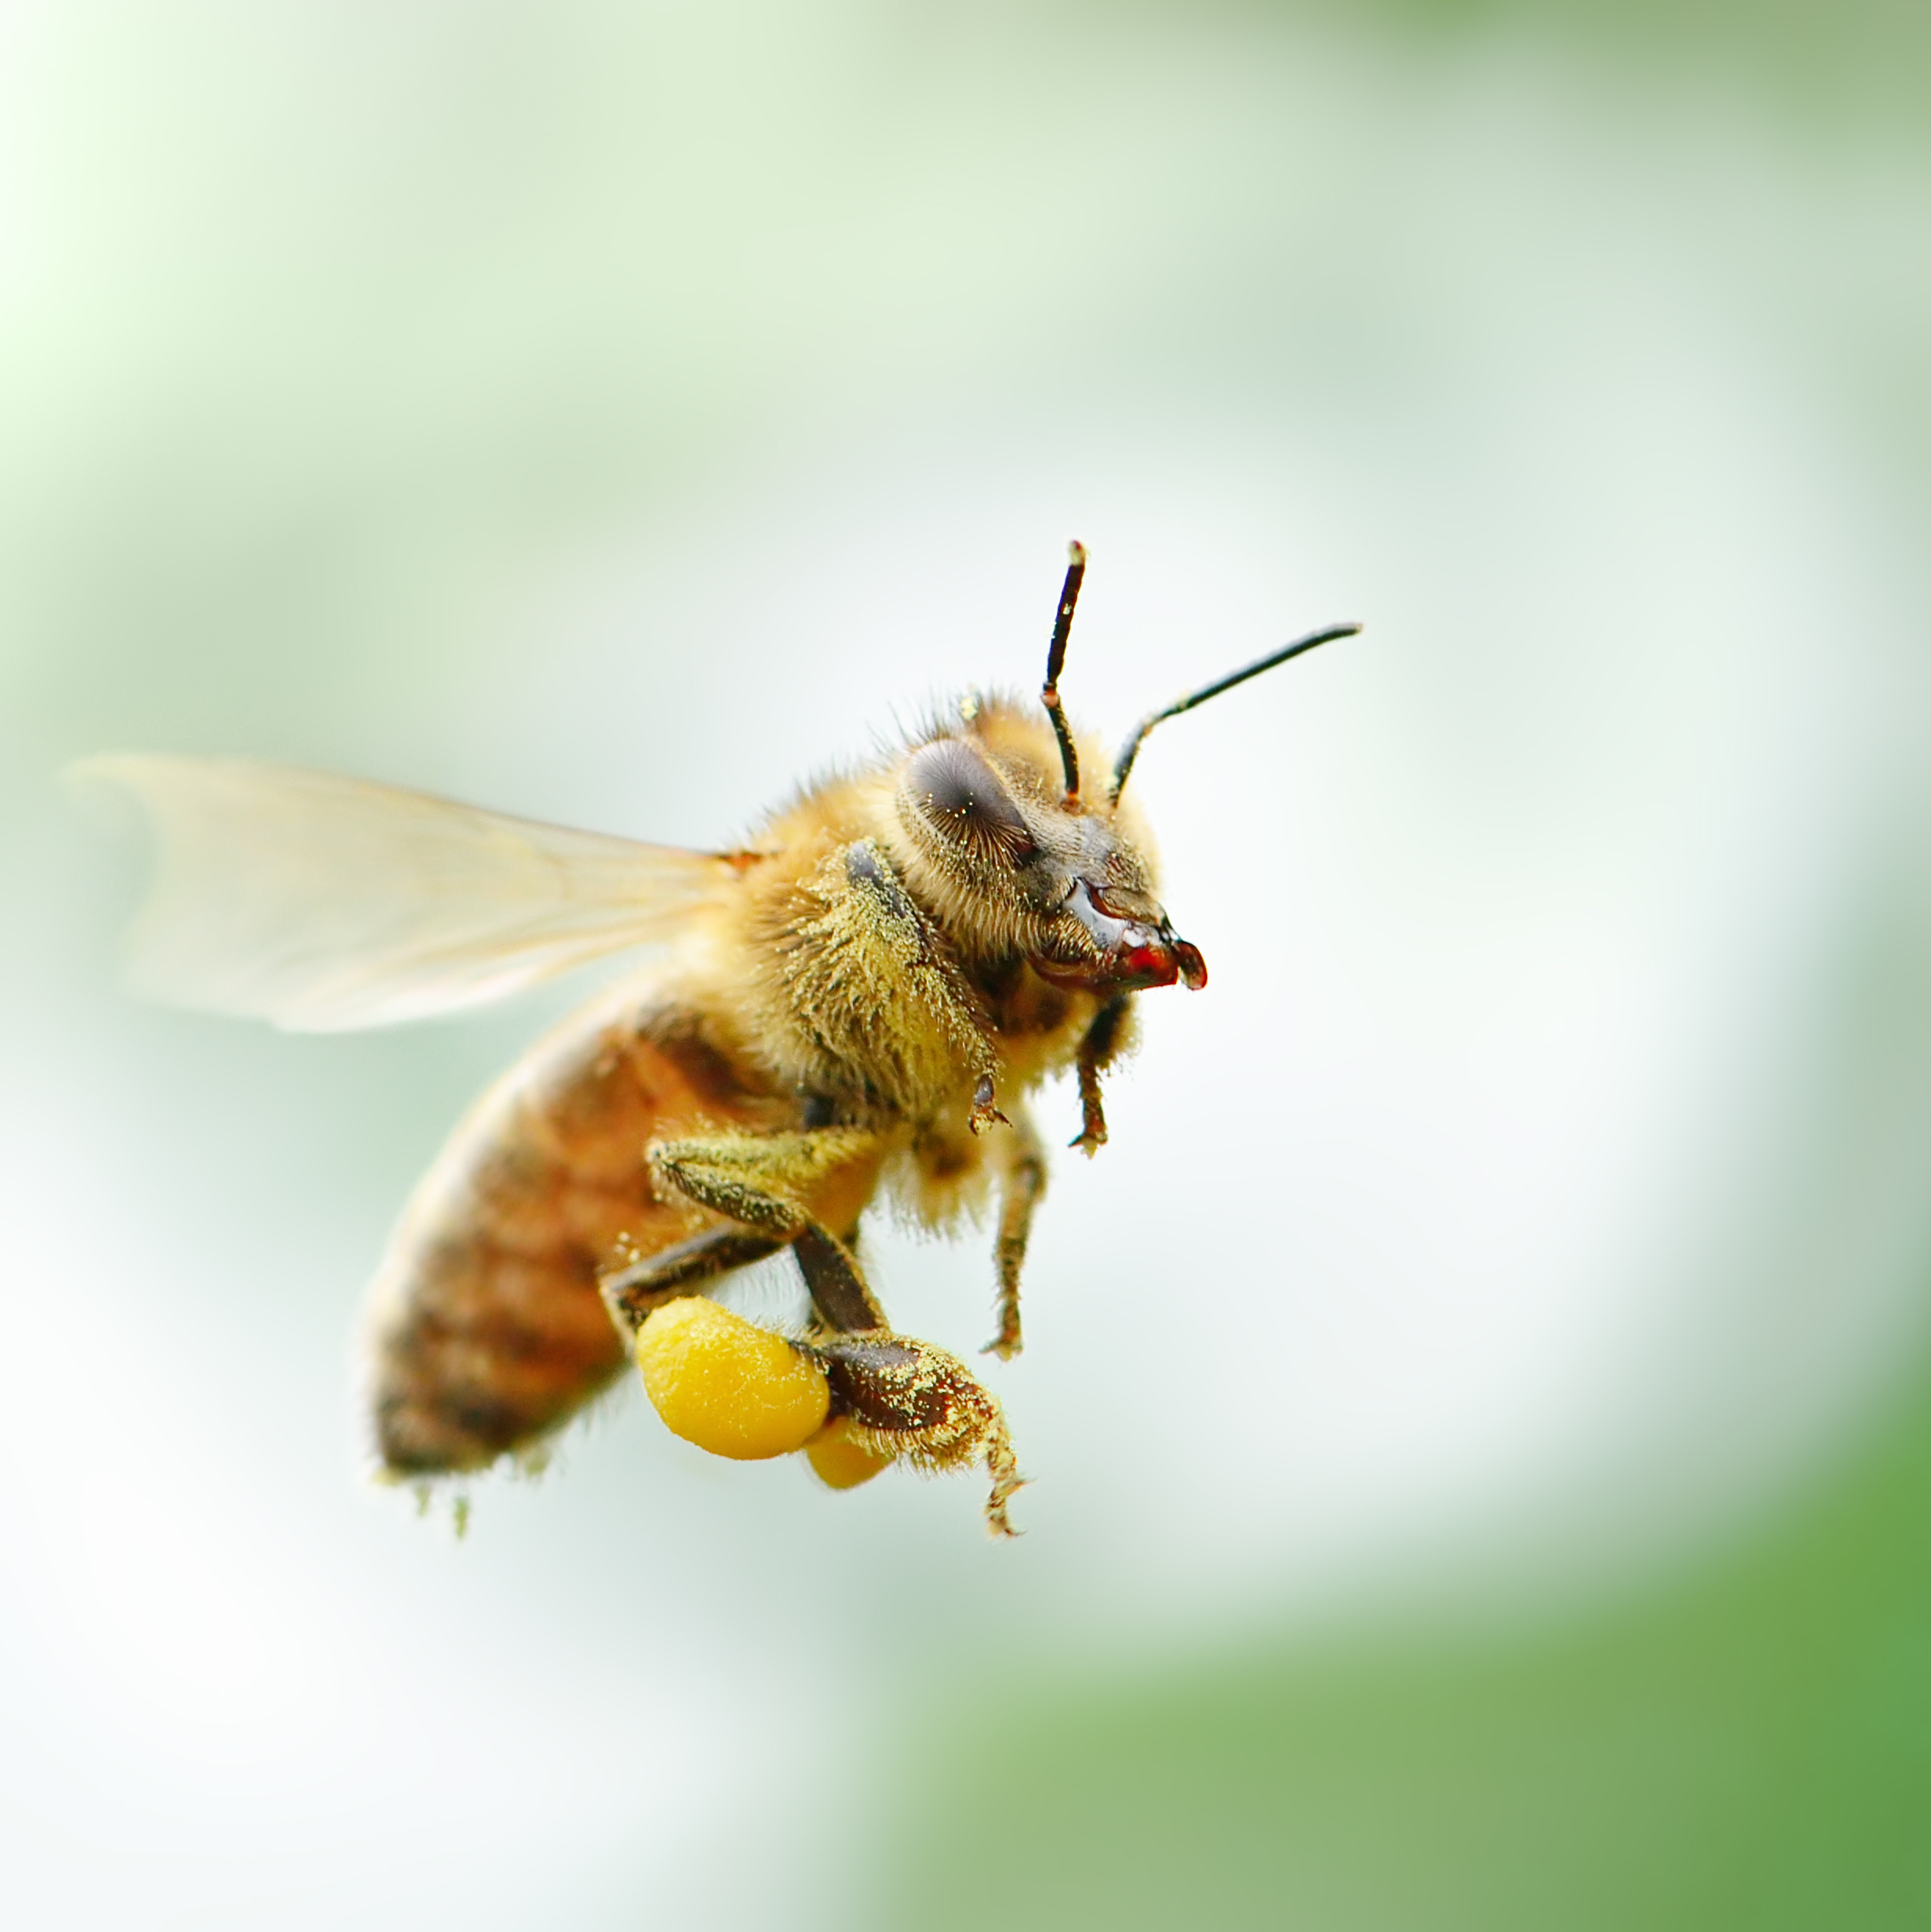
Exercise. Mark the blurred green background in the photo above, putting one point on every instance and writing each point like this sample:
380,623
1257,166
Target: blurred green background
1477,1402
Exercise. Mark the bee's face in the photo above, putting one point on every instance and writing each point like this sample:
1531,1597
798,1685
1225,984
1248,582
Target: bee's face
1018,872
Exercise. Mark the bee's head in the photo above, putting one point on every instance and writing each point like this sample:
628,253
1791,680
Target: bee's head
1012,867
1002,839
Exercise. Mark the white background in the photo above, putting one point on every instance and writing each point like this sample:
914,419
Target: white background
614,416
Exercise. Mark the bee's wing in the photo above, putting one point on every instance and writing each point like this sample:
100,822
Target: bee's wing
325,903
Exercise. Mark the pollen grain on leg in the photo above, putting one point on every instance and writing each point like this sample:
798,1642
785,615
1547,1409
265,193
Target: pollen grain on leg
728,1385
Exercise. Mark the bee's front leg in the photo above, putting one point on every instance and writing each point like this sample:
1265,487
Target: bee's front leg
1109,1036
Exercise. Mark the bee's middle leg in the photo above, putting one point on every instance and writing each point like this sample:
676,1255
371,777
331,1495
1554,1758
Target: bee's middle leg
1020,1193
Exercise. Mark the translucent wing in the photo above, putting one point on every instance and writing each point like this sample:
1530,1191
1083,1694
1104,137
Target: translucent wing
325,903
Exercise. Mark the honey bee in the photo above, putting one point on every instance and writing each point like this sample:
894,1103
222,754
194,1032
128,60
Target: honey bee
857,1001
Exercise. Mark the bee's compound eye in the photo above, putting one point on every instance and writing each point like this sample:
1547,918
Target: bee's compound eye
841,1458
958,792
728,1385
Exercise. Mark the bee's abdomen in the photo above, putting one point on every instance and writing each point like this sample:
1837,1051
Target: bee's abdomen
486,1329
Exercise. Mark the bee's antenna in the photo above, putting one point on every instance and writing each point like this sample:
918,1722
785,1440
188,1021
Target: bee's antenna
1132,750
1056,662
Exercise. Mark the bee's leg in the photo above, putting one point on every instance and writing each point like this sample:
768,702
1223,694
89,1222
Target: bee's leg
838,1291
1023,1185
758,1179
906,1399
630,1293
1106,1039
875,982
903,1399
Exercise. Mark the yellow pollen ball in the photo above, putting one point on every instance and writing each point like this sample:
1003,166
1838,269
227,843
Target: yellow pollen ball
728,1385
839,1460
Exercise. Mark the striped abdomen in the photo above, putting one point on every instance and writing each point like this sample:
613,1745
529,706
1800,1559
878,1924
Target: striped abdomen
487,1330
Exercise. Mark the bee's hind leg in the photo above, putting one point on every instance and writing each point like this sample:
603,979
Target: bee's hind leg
760,1179
838,1292
904,1398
